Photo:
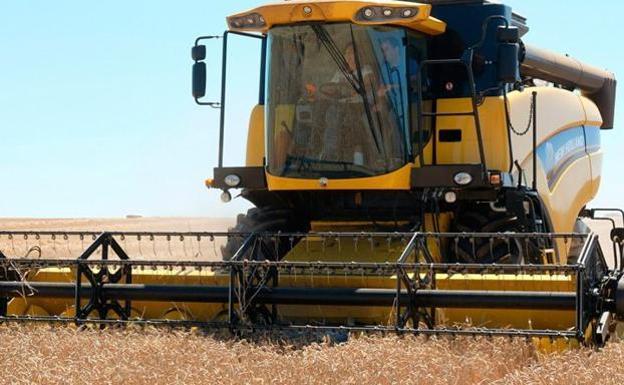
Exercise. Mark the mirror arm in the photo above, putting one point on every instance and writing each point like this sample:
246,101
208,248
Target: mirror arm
207,37
215,105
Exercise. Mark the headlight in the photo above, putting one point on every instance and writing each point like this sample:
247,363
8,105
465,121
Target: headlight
462,178
232,180
450,197
226,197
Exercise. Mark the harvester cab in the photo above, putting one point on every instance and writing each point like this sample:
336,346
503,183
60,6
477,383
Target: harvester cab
415,168
406,116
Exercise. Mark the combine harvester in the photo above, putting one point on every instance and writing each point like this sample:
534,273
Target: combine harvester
415,167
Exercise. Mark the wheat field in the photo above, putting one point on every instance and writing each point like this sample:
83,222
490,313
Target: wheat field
64,355
45,354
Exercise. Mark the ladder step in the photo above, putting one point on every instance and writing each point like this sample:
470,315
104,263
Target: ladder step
443,61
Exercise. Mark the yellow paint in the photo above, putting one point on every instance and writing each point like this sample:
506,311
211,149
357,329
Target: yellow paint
557,320
255,138
493,130
498,318
36,311
595,162
592,113
332,11
396,180
143,309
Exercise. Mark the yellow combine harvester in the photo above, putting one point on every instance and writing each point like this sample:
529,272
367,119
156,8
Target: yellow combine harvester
415,168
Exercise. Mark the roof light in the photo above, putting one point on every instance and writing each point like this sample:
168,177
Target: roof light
385,14
307,10
252,20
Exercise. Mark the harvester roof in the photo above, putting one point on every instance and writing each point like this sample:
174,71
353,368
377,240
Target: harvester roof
412,15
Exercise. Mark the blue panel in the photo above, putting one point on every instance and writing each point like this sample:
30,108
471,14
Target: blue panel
592,138
558,152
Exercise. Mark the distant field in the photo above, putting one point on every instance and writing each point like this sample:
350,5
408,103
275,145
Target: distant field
55,355
159,248
118,224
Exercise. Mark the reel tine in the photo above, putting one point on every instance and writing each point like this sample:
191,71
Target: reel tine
199,252
474,248
153,239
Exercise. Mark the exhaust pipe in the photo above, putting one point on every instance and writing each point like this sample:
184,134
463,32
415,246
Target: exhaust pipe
596,84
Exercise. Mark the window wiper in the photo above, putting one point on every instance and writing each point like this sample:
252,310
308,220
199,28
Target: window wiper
357,82
330,45
397,101
367,109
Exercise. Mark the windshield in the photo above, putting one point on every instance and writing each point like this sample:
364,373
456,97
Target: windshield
337,101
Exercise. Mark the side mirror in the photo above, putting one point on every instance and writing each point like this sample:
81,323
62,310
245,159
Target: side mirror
198,52
508,62
199,80
508,54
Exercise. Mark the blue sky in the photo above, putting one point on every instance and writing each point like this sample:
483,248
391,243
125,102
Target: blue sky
97,118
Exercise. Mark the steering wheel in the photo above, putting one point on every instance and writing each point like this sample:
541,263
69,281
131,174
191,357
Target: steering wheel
336,91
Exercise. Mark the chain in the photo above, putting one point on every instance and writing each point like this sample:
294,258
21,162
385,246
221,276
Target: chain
510,125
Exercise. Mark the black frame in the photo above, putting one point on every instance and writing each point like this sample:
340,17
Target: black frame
253,293
221,104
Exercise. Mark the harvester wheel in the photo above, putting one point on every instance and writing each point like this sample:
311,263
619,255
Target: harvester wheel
503,250
259,220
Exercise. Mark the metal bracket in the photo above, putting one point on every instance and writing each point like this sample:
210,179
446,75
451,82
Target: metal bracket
412,284
98,277
247,281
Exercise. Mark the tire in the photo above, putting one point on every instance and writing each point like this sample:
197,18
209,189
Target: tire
496,250
260,220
